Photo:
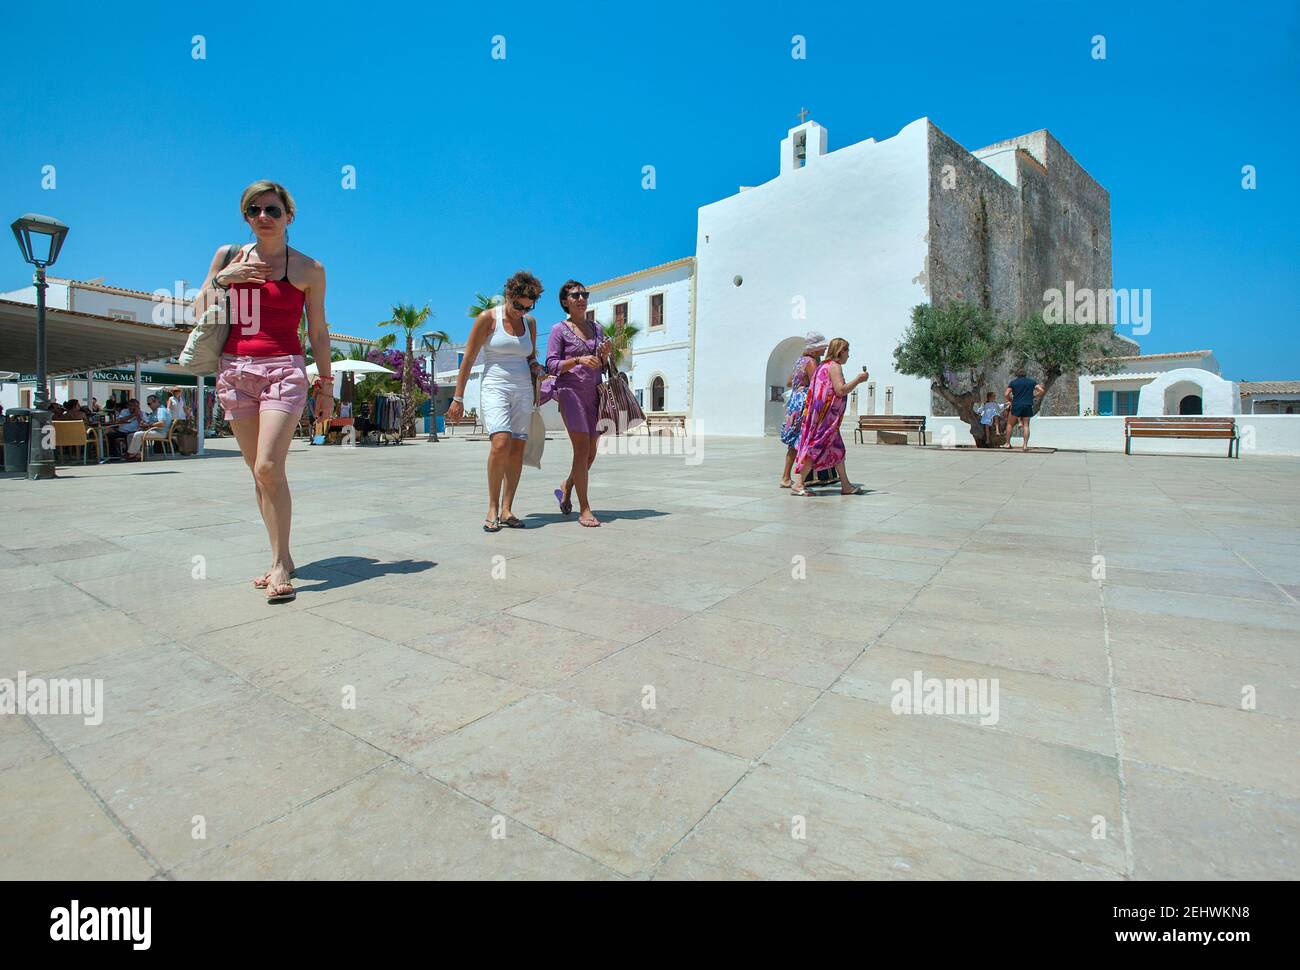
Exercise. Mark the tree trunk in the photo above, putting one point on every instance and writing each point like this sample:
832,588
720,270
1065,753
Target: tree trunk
964,404
408,391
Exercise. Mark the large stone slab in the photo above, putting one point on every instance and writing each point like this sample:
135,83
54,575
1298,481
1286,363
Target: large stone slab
619,793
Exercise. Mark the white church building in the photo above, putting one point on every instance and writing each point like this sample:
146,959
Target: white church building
846,242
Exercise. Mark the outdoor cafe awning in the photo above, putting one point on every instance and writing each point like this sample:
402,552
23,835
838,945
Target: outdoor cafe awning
76,341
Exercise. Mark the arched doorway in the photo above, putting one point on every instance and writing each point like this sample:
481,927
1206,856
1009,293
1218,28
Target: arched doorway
1183,394
657,394
779,364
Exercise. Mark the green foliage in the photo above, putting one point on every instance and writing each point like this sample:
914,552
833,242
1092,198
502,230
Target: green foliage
409,319
1053,349
621,343
959,347
948,343
483,302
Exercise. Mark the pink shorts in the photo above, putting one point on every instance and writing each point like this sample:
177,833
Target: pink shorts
247,386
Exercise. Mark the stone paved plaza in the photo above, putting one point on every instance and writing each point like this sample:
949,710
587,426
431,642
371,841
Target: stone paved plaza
668,696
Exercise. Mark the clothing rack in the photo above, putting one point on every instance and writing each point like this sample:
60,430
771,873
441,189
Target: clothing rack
386,415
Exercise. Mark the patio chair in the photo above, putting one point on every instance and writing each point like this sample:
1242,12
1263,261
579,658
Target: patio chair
75,434
168,442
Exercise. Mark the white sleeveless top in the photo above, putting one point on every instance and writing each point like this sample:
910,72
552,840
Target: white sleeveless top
505,356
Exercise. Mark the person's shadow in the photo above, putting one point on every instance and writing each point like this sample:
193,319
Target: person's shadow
338,572
540,519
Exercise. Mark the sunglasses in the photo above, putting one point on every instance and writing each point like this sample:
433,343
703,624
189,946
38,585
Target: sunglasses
521,308
578,294
253,211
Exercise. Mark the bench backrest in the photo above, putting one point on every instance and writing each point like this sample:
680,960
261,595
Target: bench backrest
886,422
1181,426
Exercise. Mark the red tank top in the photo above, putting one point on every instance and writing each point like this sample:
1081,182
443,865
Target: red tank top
264,317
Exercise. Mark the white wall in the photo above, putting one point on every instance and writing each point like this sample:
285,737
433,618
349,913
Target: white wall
1261,434
848,234
661,351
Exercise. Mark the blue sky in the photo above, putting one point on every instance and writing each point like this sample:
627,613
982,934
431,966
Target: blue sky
469,168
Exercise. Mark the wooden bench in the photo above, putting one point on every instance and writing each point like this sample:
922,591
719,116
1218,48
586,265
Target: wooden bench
468,421
661,420
1186,426
896,423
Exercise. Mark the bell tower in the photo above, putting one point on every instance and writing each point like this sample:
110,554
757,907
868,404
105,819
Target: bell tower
802,145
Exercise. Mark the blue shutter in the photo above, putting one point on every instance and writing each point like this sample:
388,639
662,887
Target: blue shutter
1106,402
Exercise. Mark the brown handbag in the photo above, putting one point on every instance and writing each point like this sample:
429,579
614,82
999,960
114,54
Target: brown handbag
618,407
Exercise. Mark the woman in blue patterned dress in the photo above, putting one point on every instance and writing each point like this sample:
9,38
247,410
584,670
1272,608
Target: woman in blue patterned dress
813,348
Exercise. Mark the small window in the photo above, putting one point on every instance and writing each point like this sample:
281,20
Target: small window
657,394
656,310
776,393
620,314
460,358
640,397
1105,403
591,316
1126,402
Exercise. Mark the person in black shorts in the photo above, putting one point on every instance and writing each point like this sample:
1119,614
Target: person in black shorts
1022,393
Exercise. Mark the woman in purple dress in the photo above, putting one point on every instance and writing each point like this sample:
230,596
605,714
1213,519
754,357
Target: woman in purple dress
820,444
575,355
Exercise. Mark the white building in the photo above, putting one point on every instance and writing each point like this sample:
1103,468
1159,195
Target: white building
1187,382
846,242
659,302
94,296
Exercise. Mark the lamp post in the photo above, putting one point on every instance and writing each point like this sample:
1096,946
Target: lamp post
40,238
432,344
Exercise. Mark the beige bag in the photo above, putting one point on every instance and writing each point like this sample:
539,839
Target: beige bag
536,442
202,353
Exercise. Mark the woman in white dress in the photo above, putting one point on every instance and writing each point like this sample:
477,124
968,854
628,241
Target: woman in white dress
507,338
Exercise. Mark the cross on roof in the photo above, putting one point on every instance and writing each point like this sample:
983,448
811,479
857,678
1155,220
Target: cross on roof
803,114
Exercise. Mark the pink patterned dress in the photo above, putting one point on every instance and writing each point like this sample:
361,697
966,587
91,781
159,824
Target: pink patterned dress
820,444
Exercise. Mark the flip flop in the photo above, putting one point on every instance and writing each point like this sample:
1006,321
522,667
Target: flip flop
514,522
493,526
787,484
566,507
589,525
856,490
263,581
802,492
283,593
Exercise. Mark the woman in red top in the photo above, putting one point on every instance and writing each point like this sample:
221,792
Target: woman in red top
262,383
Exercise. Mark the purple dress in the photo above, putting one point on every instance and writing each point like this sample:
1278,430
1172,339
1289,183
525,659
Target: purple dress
575,390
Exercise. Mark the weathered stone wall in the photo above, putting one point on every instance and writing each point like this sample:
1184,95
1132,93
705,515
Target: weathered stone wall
1003,245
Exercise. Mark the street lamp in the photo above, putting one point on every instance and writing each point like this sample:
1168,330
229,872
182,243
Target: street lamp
40,238
432,343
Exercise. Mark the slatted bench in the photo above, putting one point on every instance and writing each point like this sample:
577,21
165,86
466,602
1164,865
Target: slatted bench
896,423
468,421
661,421
1185,426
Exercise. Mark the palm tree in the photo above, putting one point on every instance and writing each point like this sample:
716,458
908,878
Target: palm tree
620,340
483,302
406,316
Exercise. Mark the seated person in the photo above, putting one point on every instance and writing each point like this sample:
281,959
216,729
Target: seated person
124,425
73,412
157,423
990,412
